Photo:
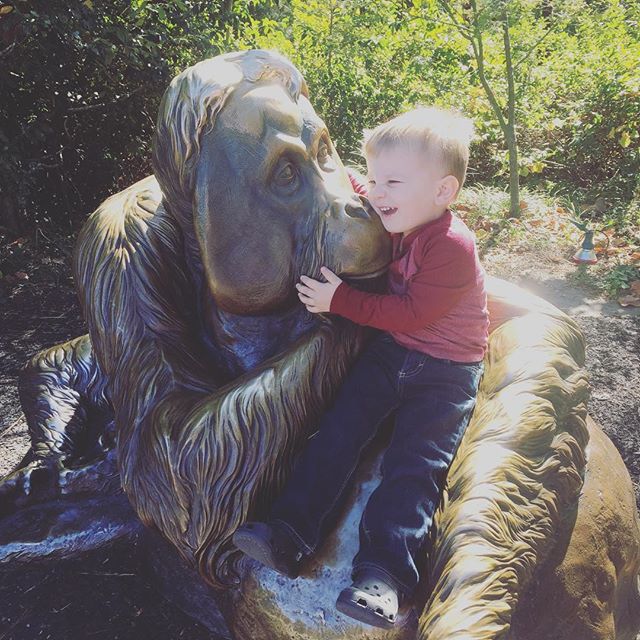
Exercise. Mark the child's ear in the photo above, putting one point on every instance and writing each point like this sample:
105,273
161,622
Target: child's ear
447,190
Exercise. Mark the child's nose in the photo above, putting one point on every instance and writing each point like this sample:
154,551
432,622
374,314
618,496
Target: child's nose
376,192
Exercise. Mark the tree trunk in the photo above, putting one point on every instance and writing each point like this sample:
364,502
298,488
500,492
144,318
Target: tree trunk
510,130
473,34
514,180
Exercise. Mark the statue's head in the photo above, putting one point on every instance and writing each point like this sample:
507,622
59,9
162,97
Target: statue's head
249,169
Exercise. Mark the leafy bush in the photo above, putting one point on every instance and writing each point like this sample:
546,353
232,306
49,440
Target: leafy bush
80,85
619,278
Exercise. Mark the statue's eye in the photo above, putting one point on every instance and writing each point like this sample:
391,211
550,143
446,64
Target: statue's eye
286,175
323,152
325,159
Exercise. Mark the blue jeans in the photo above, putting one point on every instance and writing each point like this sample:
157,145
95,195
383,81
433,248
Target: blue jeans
432,399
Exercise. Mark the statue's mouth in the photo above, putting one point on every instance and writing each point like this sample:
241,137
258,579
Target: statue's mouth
366,276
372,282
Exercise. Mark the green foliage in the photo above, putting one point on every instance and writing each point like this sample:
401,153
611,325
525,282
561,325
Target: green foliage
619,277
80,84
592,90
352,56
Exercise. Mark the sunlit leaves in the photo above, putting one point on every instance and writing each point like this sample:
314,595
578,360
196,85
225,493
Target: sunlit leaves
82,80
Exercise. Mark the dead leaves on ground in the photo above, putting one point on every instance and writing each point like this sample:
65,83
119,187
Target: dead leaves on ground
631,297
613,249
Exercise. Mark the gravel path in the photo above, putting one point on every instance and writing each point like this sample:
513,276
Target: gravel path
612,335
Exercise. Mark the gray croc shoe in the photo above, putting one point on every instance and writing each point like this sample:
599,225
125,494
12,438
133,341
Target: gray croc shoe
371,600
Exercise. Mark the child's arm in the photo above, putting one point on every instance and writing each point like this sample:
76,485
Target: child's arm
431,293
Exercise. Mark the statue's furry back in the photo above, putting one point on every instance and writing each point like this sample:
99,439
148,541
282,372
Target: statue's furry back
195,457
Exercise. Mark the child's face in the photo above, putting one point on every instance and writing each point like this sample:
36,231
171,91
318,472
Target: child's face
408,188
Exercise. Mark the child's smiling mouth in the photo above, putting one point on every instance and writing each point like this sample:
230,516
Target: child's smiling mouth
387,211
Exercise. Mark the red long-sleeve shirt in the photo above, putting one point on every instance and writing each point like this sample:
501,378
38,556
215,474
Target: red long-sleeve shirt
437,302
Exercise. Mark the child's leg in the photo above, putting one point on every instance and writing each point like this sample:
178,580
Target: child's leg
436,404
367,395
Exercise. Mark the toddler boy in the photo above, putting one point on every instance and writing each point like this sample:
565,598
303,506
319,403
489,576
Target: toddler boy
425,367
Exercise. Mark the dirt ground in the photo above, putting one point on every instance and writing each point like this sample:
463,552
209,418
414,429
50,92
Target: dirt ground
106,595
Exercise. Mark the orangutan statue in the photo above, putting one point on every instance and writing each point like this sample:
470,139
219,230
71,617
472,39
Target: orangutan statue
202,376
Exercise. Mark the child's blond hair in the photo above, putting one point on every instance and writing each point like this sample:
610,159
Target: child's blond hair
428,130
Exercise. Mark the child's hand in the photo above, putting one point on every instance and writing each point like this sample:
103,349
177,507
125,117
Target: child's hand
316,295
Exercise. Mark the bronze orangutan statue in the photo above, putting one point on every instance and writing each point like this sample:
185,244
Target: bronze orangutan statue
202,376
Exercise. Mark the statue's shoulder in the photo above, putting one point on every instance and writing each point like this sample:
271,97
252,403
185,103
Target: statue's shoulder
130,223
135,204
128,241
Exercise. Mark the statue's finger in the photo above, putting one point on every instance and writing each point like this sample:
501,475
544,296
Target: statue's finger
7,487
15,485
310,282
23,479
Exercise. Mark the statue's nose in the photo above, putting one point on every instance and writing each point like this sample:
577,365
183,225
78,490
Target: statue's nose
353,208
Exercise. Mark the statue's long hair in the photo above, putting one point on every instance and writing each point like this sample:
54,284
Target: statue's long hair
197,455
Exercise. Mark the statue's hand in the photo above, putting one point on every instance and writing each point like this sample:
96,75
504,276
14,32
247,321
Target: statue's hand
36,482
45,479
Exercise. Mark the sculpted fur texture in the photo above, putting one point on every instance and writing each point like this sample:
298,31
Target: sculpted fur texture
197,449
519,468
208,374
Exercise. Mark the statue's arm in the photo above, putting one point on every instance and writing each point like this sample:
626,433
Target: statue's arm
58,388
64,398
519,469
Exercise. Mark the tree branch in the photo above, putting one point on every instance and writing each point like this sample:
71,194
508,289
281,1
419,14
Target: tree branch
509,68
474,36
464,31
102,105
478,52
